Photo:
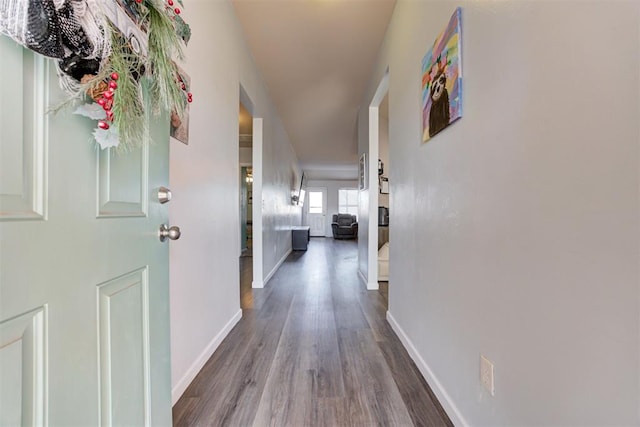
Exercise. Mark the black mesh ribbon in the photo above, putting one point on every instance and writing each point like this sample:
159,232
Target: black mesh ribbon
43,33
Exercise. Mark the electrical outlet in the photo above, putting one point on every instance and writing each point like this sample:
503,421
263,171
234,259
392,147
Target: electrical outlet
486,375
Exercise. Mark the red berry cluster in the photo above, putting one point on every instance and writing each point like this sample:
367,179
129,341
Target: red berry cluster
170,7
106,101
183,86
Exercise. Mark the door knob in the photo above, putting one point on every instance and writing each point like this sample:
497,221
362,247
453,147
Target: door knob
164,195
173,233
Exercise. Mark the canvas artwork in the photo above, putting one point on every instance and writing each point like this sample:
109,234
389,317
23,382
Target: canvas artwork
442,81
180,125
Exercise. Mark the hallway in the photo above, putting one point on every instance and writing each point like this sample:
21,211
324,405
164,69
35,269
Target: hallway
312,348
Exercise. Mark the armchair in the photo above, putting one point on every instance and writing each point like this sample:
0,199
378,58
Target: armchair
344,226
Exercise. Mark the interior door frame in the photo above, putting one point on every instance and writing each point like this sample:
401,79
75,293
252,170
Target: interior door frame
256,164
372,185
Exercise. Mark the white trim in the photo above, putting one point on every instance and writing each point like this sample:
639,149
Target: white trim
372,251
443,397
258,254
277,266
373,151
371,286
362,278
196,366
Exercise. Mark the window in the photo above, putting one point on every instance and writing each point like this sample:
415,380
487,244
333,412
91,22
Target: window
348,201
315,202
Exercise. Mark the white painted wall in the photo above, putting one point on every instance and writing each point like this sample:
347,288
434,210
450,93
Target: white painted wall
205,300
332,187
245,156
280,176
520,223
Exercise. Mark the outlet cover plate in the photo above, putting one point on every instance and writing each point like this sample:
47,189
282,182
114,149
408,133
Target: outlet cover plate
486,375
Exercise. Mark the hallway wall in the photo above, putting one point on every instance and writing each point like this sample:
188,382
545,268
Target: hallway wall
205,297
520,223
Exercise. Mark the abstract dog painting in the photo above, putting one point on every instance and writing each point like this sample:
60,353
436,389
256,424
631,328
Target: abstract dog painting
442,81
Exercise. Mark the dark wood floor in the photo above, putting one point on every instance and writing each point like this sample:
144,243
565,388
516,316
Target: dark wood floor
312,349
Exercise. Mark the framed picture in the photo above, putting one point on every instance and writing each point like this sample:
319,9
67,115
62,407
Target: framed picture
179,128
128,17
442,80
362,172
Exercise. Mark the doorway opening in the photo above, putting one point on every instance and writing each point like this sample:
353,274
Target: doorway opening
245,122
375,182
252,143
246,181
384,168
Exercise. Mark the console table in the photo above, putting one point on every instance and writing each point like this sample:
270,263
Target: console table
300,237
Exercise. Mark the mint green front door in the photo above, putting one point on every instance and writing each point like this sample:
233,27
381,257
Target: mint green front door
84,296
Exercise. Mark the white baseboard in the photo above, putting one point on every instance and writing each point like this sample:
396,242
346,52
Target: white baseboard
362,278
443,397
197,365
371,286
274,269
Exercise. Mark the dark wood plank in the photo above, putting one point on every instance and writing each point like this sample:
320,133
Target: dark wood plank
412,387
230,384
332,412
313,349
307,364
422,404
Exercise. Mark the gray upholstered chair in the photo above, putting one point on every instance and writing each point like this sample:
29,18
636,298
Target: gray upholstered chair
344,226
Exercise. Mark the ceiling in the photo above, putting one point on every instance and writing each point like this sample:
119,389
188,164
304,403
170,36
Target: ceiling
316,57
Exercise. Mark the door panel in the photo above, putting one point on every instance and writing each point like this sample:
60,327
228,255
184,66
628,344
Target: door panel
122,182
84,298
316,225
23,120
124,349
23,359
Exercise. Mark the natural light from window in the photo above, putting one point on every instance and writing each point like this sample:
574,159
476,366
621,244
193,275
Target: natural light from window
315,202
348,201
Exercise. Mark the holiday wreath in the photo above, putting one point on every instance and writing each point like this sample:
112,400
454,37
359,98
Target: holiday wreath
103,50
